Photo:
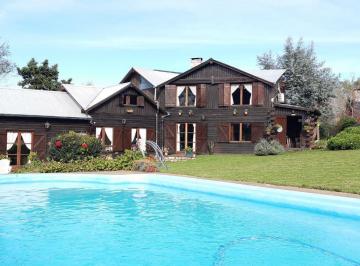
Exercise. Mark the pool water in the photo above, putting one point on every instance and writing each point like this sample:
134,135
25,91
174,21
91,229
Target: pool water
62,222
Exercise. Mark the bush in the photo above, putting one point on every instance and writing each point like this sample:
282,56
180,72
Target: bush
348,139
145,165
73,146
265,147
122,162
345,122
320,144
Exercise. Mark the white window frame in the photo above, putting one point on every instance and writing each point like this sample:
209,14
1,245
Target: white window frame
234,87
178,136
179,90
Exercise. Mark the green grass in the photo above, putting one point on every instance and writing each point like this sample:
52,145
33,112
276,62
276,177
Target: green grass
319,169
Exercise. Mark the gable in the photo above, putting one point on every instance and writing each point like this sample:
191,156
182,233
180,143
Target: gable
212,71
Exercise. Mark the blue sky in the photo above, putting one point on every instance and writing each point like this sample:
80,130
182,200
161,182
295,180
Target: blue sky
98,41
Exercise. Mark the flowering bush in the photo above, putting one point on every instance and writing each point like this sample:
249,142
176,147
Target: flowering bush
74,146
265,147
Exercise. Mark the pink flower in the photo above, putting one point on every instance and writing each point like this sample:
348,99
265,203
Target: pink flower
58,144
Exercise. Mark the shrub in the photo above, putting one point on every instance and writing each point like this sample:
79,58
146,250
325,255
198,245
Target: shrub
348,139
145,165
265,147
73,146
345,122
320,144
122,162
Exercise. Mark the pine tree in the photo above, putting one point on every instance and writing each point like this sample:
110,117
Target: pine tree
307,82
40,77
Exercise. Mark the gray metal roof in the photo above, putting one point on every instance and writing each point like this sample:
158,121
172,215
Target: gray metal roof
27,102
271,75
82,94
106,93
155,77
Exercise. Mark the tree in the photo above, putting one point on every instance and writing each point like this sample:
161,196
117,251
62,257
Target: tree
307,82
5,65
40,77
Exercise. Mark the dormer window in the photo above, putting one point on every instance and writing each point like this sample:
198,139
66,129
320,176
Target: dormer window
186,96
241,94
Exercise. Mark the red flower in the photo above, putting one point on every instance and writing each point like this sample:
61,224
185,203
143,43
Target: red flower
58,144
84,146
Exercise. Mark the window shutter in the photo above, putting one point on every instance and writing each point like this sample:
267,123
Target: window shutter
126,138
201,138
39,145
223,132
121,99
170,95
201,95
221,94
3,139
258,97
118,139
170,137
140,101
257,131
227,94
150,134
127,97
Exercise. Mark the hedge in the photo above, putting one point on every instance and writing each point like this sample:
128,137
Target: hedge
348,139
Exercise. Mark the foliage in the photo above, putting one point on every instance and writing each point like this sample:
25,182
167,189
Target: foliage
327,130
5,65
40,77
145,165
348,139
345,122
122,162
188,149
320,169
74,146
345,97
307,82
265,147
320,144
33,158
211,146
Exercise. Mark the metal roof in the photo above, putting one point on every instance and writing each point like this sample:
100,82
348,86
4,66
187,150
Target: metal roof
271,75
155,77
82,94
27,102
106,93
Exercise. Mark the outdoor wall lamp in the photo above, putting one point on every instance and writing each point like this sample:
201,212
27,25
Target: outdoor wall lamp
123,121
235,111
191,112
293,113
203,117
47,125
246,112
180,112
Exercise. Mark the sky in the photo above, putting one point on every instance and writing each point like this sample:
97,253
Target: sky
97,42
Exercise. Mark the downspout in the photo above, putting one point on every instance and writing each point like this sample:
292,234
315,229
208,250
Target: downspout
156,115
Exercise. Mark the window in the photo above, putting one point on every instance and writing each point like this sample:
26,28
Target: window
241,94
105,135
186,96
129,100
18,147
240,132
186,136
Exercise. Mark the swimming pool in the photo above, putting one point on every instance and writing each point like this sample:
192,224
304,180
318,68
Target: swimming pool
61,219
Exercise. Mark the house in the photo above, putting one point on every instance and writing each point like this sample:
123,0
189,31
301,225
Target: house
212,107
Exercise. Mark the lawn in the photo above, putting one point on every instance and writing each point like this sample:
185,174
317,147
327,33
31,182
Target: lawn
327,170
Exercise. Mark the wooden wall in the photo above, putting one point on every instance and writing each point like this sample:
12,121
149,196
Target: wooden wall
41,136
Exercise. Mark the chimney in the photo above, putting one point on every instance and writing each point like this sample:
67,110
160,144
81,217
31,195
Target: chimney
195,61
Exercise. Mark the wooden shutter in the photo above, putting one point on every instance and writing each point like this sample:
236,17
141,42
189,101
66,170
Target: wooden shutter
140,101
201,95
257,131
3,140
201,138
126,138
170,95
39,145
150,134
223,132
122,99
118,139
127,97
170,137
224,94
258,93
281,120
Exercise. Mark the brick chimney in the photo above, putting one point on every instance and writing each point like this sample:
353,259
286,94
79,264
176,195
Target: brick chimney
195,61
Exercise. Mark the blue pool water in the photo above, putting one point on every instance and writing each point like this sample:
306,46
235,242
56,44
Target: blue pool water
162,220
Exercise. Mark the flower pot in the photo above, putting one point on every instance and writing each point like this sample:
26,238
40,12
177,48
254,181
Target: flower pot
5,167
189,154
